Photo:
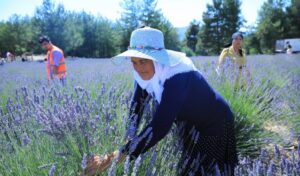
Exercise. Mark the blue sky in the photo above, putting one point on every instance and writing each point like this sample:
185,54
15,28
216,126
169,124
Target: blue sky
179,12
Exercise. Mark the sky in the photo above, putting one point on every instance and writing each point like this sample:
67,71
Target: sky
179,12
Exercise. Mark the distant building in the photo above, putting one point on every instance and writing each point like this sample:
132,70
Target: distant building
283,45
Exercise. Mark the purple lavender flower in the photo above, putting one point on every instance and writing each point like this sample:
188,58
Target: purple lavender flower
298,149
271,169
127,165
25,91
259,167
84,161
52,170
137,140
137,164
217,170
25,139
103,89
112,169
283,164
277,152
196,137
152,162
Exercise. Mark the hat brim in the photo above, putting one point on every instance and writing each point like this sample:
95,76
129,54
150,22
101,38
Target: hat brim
163,56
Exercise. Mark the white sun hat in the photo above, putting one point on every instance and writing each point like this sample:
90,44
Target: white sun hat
148,43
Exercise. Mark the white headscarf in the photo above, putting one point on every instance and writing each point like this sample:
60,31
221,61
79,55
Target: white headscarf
155,85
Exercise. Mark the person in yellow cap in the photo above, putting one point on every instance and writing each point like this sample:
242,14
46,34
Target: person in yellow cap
235,58
185,100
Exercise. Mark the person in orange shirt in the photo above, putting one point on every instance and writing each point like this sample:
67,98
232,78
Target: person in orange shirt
55,64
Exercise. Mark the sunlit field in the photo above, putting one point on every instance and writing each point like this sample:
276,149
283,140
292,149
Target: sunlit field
48,129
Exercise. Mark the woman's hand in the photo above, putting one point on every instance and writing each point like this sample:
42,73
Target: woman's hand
97,164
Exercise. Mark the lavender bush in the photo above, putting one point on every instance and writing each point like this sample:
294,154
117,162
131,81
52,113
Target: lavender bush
48,129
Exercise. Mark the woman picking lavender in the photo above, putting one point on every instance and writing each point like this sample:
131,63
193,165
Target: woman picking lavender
185,99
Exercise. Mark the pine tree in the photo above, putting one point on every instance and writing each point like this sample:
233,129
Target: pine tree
210,34
232,20
129,21
150,16
50,20
89,45
293,18
271,24
16,35
192,35
221,20
73,34
137,13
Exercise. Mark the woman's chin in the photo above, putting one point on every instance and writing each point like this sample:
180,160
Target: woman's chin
146,78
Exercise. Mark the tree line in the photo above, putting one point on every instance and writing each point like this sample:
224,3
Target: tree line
81,34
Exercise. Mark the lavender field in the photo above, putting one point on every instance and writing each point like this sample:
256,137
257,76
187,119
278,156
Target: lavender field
48,129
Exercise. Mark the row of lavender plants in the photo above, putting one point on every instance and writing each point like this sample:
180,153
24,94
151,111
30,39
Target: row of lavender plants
48,129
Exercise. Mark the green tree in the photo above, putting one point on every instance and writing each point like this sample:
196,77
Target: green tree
106,39
89,46
252,43
6,44
171,38
73,34
50,21
293,19
201,44
232,19
221,20
210,35
271,24
191,35
99,38
16,35
153,17
149,14
129,21
136,13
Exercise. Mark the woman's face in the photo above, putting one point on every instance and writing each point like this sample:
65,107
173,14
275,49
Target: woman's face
144,67
237,42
